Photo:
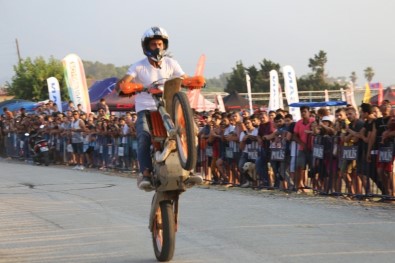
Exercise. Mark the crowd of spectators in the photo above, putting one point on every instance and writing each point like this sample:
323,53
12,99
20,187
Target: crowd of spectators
95,140
345,151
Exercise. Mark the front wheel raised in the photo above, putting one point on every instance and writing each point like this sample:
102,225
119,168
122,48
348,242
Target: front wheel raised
185,127
163,231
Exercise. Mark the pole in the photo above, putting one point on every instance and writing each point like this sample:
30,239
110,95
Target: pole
17,50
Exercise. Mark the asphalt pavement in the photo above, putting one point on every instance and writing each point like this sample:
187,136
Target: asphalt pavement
56,214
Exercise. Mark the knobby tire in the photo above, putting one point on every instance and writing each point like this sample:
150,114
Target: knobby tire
163,234
185,126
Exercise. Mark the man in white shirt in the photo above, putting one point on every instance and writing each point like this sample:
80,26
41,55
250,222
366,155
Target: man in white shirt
156,67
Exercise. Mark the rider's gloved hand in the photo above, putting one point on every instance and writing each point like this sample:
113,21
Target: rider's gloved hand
195,82
128,88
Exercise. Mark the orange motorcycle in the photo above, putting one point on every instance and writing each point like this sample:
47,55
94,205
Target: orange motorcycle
173,173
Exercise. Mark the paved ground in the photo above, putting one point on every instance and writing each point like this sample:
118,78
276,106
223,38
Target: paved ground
55,214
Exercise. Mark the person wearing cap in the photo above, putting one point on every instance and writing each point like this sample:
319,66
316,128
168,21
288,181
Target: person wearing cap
327,124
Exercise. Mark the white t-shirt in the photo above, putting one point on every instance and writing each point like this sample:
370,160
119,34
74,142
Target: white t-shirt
125,132
254,144
143,72
229,129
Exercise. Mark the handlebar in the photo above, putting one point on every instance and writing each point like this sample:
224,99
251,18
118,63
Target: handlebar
129,88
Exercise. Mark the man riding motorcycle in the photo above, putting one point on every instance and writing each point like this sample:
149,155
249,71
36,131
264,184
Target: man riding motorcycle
157,66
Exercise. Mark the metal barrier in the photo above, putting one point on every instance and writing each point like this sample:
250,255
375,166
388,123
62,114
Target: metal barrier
335,168
105,152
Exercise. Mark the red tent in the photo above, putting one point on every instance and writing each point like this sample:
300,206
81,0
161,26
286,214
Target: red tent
235,101
388,94
115,102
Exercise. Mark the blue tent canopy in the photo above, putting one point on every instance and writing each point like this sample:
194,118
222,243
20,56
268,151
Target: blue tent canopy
313,104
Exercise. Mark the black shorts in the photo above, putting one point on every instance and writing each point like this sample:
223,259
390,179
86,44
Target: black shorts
90,149
78,148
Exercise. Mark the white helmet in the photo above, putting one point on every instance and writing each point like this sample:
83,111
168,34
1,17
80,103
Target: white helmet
154,33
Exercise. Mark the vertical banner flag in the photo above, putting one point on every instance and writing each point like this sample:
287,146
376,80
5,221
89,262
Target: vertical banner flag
326,95
281,105
291,90
220,103
380,94
367,95
76,81
274,99
54,92
343,94
350,96
249,93
194,94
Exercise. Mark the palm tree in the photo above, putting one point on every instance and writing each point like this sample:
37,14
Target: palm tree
353,77
369,74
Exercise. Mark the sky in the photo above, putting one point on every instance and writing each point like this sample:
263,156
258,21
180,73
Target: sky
355,34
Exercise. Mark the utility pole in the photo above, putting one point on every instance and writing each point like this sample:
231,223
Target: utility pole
17,50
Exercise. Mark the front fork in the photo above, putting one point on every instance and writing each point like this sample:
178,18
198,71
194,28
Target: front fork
167,122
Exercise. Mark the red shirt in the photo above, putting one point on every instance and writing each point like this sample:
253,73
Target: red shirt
299,130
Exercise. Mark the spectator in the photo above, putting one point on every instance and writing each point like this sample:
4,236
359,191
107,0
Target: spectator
302,135
80,110
249,146
278,143
214,139
266,127
102,105
375,141
70,106
77,128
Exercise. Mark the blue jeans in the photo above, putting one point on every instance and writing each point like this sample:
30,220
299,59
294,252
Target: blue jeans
261,167
143,142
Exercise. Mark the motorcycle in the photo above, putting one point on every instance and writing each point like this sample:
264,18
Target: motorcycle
38,148
172,174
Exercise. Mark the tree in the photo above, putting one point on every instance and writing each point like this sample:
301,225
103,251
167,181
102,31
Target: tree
98,71
369,74
317,64
30,79
267,66
353,78
260,78
237,80
218,84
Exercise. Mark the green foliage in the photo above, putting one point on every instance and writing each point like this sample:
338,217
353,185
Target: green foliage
30,79
99,71
369,73
260,78
237,80
317,64
217,84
